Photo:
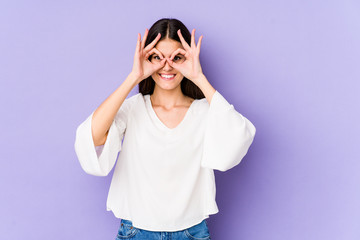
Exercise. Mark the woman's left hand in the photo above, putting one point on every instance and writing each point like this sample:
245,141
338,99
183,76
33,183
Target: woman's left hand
190,68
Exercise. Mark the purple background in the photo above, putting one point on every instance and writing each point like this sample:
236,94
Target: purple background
291,67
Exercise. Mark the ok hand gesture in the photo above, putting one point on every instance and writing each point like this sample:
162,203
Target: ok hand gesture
142,67
191,67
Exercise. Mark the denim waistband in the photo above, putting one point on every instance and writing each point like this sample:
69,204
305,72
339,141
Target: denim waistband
129,222
125,221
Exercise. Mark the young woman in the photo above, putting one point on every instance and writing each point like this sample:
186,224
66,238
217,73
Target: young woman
168,139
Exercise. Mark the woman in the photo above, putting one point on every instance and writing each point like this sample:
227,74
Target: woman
176,131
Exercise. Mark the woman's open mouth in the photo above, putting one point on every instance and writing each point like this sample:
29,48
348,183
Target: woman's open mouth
167,77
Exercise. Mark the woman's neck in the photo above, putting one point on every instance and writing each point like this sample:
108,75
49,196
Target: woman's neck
169,98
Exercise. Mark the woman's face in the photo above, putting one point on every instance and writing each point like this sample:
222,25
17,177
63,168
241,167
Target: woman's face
167,77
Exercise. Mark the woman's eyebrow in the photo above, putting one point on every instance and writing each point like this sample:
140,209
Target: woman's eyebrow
159,51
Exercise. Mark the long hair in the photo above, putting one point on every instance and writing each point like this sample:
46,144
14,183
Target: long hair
168,27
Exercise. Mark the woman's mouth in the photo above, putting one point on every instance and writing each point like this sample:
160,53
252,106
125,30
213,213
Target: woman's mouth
167,77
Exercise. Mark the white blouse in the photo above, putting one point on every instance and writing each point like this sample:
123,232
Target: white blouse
164,177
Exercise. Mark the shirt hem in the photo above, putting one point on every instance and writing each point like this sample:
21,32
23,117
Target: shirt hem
160,228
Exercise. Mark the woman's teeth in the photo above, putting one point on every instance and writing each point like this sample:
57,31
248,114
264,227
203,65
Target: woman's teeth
167,76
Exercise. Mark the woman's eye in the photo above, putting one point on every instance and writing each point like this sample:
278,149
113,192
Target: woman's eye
156,57
176,58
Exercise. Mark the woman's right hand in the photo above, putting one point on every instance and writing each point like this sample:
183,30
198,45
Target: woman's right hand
142,67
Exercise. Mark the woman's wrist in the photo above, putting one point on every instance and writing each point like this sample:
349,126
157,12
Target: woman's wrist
199,79
133,78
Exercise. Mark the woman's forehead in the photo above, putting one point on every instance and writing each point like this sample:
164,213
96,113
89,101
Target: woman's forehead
167,46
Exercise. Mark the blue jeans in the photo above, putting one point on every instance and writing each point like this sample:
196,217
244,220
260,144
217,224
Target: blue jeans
126,230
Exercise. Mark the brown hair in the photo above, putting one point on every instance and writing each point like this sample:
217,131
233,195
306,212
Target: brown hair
168,27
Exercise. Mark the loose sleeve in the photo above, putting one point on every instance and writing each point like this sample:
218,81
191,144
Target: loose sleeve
228,135
99,160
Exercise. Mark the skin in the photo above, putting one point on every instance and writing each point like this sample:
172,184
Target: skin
173,57
168,101
166,90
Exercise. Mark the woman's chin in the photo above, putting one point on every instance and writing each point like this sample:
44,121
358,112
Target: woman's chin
169,85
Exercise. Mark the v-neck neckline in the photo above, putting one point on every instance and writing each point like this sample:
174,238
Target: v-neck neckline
160,123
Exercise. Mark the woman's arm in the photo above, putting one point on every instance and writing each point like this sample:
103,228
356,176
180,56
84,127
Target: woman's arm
228,133
98,138
104,115
98,158
142,68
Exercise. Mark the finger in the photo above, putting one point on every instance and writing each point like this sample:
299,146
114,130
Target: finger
152,51
199,44
157,52
147,55
161,64
193,38
183,42
172,64
144,38
138,43
176,52
153,43
156,66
